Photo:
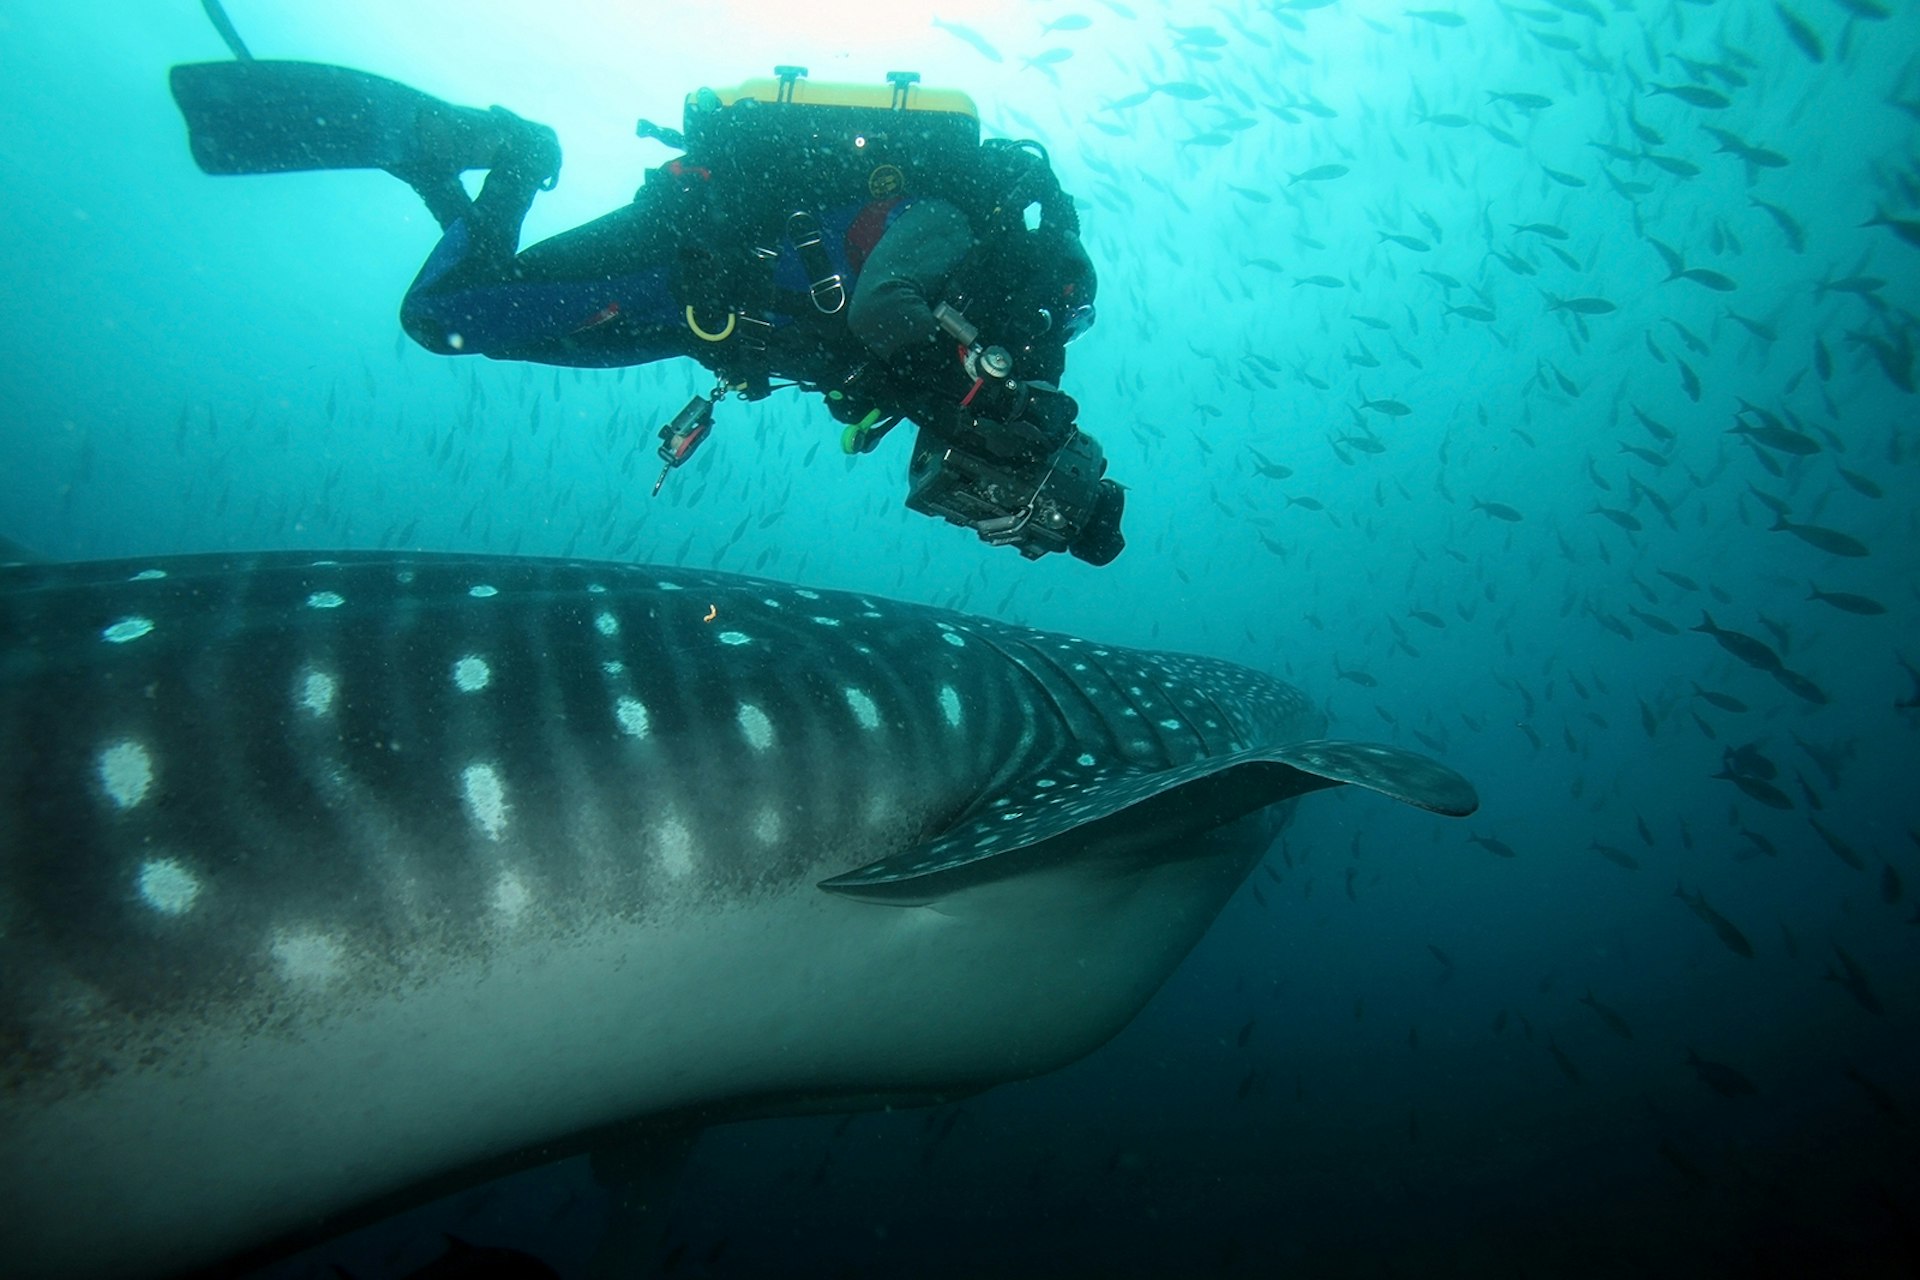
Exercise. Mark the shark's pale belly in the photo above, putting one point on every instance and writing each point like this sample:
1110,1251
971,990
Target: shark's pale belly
325,880
800,1002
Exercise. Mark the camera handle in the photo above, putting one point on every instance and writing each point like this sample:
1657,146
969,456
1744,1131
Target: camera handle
982,362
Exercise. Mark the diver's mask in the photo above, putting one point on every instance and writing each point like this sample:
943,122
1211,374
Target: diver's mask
1057,325
1070,322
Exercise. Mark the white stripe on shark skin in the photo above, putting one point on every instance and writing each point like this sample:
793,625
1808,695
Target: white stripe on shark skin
309,948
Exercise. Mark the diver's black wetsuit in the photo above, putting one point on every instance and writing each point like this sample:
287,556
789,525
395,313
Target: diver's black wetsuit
611,292
747,268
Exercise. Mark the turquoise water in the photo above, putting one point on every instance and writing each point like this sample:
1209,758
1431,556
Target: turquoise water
1550,313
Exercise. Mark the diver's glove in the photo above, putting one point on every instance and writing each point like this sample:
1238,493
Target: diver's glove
1016,419
927,372
1051,412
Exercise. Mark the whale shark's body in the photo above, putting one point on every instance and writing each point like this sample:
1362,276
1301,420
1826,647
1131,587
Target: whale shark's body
328,880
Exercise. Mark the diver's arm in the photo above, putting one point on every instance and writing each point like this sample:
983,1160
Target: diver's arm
892,308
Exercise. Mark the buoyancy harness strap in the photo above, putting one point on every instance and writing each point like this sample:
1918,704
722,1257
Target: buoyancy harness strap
749,323
751,370
827,288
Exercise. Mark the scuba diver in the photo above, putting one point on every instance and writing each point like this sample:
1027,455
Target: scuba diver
858,241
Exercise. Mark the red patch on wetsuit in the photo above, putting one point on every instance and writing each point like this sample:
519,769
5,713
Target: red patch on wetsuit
600,317
868,226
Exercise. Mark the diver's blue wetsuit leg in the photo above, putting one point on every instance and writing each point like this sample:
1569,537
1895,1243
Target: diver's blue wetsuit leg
596,296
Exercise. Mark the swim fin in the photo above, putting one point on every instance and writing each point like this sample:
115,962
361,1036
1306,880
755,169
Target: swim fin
284,117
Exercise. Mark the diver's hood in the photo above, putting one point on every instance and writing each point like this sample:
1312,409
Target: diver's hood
1052,269
1029,290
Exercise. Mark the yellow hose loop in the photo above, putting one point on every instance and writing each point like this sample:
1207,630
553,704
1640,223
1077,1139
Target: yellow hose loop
702,334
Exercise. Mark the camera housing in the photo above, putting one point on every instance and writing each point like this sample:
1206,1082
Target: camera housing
989,479
1009,462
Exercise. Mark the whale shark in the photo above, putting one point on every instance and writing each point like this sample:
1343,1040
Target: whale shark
331,881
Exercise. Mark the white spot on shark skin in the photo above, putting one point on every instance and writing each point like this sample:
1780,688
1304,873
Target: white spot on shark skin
471,674
1169,724
863,708
148,575
306,955
596,589
631,715
614,667
315,691
669,586
950,705
827,622
486,798
606,624
676,847
805,594
754,723
880,811
167,886
1084,760
735,638
405,577
766,826
510,897
483,592
126,771
325,600
127,629
954,640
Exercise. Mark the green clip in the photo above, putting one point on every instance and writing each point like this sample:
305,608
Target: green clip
854,439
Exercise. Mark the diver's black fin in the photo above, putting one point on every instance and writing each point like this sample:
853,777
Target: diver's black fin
284,117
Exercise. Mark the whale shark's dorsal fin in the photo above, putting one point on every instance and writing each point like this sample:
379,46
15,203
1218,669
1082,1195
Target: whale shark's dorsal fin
1064,812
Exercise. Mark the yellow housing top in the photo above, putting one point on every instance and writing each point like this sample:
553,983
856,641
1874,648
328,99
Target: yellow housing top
814,93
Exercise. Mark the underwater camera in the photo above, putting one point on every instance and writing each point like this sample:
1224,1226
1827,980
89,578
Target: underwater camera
1018,483
1010,463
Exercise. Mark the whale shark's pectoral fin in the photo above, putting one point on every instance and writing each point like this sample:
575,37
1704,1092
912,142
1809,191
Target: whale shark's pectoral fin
1040,820
1406,776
